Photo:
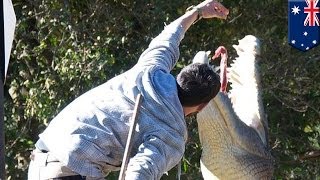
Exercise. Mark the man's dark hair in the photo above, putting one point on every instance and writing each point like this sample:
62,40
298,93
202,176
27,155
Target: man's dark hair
197,83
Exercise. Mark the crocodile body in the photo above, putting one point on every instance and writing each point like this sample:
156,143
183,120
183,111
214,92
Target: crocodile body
233,127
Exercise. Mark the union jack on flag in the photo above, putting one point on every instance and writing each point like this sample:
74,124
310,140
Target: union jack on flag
304,24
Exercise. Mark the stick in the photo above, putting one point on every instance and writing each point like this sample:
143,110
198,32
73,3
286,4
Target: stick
2,76
130,135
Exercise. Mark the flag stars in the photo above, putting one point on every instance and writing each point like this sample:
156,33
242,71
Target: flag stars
307,48
293,41
314,42
295,10
305,33
302,45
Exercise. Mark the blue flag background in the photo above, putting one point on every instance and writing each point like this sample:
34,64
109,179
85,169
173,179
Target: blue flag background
301,36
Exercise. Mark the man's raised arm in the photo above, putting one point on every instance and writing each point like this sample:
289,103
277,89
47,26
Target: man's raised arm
164,49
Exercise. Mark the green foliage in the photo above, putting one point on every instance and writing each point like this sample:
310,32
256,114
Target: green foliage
63,48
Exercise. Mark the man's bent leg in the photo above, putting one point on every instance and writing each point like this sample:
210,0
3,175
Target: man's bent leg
44,166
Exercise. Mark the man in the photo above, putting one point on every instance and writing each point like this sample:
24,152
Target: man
86,140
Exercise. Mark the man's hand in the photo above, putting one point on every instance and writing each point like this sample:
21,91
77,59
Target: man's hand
206,9
212,8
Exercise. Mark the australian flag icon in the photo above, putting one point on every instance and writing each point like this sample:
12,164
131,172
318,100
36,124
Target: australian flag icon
304,24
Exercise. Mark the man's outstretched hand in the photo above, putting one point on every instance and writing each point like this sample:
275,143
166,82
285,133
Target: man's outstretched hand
212,8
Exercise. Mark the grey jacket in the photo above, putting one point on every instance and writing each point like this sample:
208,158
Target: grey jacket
89,135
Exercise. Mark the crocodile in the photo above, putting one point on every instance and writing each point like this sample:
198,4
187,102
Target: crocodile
233,127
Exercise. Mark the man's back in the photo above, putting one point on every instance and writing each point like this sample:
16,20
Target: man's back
91,132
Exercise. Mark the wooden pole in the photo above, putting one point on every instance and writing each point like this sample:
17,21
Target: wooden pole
2,142
2,71
127,150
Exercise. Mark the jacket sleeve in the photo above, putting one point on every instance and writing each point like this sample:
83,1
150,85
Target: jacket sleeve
156,156
163,50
